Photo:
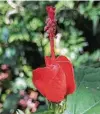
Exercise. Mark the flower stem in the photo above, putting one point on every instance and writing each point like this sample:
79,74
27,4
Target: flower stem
52,48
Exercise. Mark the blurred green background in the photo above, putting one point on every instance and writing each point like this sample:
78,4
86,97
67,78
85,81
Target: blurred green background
23,44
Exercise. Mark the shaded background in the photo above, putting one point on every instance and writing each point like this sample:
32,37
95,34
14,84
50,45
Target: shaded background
23,42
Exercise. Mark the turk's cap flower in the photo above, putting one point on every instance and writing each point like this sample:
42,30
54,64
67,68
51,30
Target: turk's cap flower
56,80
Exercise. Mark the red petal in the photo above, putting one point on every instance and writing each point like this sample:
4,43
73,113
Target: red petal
40,79
69,72
51,82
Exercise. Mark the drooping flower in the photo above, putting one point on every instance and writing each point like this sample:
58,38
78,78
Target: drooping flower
56,80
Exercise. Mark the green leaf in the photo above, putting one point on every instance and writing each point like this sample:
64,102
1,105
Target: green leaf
86,99
19,112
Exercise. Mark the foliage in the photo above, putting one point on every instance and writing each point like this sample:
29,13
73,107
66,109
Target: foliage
86,99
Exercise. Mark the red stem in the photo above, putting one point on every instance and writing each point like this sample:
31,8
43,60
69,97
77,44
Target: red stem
52,48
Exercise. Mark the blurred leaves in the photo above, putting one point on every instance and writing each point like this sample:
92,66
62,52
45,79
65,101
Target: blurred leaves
10,103
93,13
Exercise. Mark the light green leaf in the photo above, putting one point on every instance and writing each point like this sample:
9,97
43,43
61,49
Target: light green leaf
19,112
86,99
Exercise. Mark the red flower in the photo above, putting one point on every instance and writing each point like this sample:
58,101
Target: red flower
56,80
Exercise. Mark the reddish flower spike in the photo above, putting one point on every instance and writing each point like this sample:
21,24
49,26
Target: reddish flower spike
51,22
